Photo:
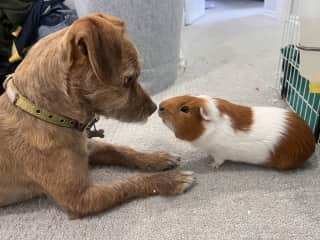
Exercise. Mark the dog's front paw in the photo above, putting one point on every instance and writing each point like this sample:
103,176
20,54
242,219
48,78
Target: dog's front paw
171,182
159,161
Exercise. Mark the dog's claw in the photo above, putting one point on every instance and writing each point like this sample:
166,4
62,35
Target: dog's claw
173,182
160,161
169,161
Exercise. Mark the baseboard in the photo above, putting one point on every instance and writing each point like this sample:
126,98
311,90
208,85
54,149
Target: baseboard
270,13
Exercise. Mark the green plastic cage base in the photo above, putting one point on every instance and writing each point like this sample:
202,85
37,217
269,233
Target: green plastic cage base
295,89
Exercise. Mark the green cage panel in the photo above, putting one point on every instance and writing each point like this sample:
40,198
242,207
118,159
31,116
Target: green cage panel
295,89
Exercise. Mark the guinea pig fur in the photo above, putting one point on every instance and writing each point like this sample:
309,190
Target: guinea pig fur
267,136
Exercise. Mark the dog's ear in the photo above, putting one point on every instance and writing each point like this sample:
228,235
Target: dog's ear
99,39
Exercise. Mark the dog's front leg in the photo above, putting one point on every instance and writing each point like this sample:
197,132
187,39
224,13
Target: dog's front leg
108,154
67,182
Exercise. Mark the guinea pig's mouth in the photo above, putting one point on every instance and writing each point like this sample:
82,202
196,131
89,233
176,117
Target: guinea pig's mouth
164,118
168,124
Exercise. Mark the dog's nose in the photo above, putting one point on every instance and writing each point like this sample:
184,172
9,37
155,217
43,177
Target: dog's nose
153,107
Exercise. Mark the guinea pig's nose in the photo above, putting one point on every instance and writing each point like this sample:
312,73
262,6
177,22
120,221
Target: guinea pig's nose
161,109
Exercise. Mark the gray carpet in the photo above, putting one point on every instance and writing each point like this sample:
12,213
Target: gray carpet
234,59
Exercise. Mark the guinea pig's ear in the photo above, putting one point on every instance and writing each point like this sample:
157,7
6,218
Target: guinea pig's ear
205,113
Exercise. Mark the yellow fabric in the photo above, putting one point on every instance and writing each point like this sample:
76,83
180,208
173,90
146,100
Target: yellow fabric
17,32
314,87
14,54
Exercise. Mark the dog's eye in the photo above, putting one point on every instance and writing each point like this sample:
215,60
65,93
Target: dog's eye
130,80
184,109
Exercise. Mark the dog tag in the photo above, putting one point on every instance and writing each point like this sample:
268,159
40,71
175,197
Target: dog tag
95,133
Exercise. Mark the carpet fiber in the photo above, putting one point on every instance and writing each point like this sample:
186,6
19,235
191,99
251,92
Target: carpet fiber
234,60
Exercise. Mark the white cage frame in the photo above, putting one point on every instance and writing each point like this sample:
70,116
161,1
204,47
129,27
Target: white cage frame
294,88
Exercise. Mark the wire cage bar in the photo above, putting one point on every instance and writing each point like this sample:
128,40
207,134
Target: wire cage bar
294,88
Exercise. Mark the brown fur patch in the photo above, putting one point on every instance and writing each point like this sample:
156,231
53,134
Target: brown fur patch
296,145
124,156
187,126
241,116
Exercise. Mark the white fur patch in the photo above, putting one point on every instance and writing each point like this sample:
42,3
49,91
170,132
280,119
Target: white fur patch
169,125
223,142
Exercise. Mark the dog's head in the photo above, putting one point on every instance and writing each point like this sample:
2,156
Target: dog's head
103,69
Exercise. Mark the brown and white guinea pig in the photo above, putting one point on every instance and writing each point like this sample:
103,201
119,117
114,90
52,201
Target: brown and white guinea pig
266,136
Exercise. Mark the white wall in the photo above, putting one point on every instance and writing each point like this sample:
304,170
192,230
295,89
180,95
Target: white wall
276,8
193,9
270,5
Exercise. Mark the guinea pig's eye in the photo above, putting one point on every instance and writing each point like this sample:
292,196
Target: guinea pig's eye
184,109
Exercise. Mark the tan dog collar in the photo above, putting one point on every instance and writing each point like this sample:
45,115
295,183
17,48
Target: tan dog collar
27,106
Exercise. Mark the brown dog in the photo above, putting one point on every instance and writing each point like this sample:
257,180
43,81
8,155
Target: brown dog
86,69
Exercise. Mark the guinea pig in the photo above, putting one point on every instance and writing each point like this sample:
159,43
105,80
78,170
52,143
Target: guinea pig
266,136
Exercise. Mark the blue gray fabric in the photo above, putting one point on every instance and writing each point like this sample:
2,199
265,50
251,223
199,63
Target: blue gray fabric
45,17
43,12
12,15
66,18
